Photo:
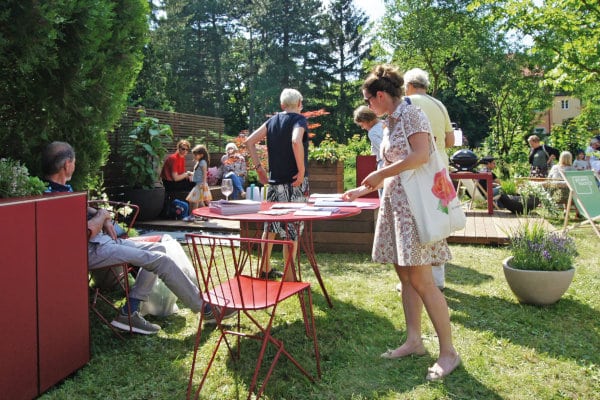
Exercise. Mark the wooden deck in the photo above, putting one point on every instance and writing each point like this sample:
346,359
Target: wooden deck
482,228
488,229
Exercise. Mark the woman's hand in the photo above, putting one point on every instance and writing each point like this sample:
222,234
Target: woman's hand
373,181
352,194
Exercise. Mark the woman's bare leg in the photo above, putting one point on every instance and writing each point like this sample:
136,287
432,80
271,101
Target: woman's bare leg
437,309
412,306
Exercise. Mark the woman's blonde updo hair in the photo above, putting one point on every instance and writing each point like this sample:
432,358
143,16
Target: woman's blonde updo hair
384,78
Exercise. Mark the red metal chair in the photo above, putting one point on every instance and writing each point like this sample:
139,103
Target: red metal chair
228,270
105,279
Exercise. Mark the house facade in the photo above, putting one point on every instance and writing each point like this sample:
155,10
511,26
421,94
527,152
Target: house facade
563,107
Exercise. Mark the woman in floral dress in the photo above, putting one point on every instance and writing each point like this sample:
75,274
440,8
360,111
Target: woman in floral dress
406,145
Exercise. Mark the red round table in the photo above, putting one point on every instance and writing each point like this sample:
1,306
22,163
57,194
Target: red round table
306,234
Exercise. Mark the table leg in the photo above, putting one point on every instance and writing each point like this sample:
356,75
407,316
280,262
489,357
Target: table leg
306,241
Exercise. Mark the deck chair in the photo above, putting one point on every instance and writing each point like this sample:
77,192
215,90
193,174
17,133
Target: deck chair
103,281
584,192
228,270
475,191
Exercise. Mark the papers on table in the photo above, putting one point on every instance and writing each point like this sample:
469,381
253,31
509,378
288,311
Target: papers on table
323,211
275,212
340,203
288,206
233,207
324,196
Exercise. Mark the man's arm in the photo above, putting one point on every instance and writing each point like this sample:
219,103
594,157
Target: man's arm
101,220
298,149
251,143
449,139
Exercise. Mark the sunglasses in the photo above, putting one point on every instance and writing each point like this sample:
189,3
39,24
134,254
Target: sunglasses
184,148
368,100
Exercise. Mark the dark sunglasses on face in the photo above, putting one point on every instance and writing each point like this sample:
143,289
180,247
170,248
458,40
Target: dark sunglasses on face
184,149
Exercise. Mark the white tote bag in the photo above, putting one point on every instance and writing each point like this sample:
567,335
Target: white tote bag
432,199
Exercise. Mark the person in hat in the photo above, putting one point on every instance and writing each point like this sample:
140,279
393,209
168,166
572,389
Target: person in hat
489,163
233,166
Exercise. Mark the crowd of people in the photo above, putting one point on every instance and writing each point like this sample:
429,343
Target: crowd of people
405,127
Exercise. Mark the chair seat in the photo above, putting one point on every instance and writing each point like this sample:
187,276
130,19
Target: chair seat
247,293
228,270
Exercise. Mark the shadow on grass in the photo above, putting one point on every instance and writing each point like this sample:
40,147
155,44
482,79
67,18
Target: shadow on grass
351,340
567,329
465,276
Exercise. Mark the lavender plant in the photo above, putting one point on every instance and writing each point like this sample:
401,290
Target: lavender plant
533,247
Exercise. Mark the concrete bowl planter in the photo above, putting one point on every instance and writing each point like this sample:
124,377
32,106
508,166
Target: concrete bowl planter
537,287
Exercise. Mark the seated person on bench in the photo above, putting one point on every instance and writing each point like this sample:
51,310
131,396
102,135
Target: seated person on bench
105,249
173,174
490,164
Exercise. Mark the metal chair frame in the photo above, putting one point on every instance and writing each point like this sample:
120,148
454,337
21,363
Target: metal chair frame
228,272
120,271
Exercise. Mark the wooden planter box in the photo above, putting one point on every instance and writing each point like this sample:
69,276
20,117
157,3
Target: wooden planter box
346,235
326,177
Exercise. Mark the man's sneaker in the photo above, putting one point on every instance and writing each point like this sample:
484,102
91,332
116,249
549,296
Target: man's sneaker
272,275
138,324
211,318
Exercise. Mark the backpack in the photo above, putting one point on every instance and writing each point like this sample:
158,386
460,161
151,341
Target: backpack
178,209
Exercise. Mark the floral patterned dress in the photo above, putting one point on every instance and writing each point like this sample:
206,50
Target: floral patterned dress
396,238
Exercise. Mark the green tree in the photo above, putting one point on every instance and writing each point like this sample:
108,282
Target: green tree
348,46
444,38
567,31
65,70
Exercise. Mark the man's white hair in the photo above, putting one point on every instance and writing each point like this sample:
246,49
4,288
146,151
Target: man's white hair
290,97
417,77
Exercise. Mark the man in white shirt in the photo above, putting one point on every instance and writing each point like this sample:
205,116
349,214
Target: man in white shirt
416,83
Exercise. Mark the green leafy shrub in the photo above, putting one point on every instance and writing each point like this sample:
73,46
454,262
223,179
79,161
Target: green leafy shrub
16,182
145,150
328,151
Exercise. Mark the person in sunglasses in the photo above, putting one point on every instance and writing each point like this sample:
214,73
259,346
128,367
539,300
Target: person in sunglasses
174,176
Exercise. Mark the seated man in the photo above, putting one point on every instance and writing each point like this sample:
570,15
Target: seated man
105,249
490,164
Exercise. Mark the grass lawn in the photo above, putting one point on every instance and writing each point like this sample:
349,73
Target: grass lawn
509,350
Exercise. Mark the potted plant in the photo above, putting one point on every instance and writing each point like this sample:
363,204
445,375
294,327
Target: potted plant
326,166
524,197
540,268
142,155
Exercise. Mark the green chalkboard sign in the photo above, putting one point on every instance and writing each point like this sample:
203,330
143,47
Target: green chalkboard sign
584,187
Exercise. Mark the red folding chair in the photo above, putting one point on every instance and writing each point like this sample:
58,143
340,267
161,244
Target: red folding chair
228,272
104,280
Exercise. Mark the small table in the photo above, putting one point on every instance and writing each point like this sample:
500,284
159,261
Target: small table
477,176
305,239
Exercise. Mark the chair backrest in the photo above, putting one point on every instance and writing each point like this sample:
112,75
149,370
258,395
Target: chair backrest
228,271
123,214
364,166
584,188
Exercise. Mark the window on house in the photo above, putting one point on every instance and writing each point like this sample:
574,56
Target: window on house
564,104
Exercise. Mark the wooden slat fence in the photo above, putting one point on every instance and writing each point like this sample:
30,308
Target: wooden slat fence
200,129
